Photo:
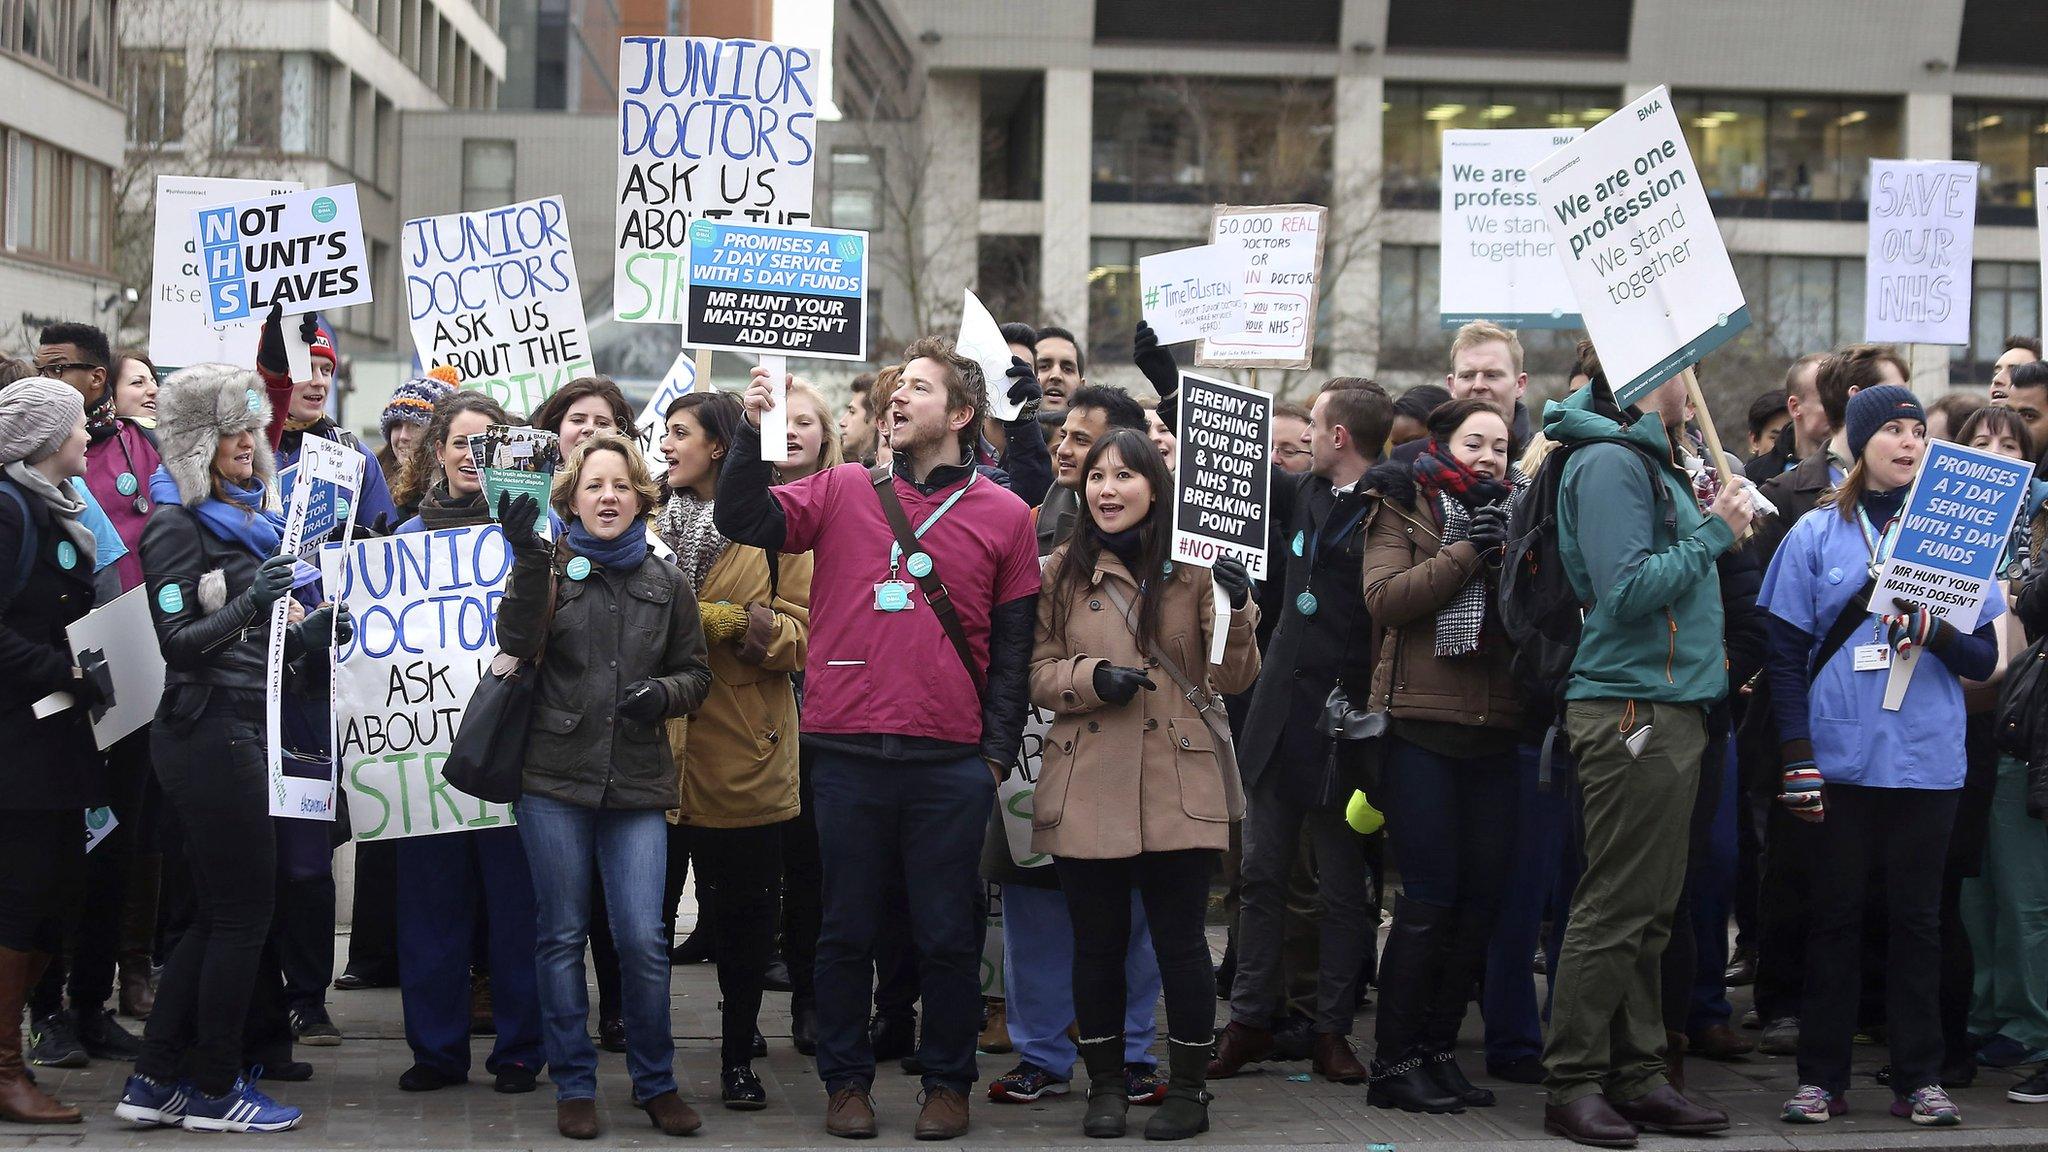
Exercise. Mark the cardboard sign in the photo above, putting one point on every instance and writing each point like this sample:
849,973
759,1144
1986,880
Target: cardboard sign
1013,795
426,612
1222,497
981,340
303,250
1640,248
1496,260
180,334
798,291
679,381
718,129
1190,293
337,470
494,293
1280,250
123,635
1917,269
1952,533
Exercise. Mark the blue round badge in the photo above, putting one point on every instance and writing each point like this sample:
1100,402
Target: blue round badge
1306,603
125,484
1834,575
341,507
67,555
1299,540
919,565
579,568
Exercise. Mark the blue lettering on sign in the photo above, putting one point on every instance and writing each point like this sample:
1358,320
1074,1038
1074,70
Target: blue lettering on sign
428,591
1961,510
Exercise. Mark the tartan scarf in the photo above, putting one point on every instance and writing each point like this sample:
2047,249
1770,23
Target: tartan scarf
1440,472
1460,623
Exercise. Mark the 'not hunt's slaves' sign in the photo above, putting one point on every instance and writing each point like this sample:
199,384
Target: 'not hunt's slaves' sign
717,129
303,250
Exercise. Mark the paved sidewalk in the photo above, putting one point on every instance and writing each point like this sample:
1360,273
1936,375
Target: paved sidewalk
353,1102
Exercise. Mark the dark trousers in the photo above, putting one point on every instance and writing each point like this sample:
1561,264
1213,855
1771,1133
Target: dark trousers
1541,875
919,823
93,931
1175,889
738,875
1896,837
214,776
1698,948
448,881
801,907
1781,960
42,871
373,925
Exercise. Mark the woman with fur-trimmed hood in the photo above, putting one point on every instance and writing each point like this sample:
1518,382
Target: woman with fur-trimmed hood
213,574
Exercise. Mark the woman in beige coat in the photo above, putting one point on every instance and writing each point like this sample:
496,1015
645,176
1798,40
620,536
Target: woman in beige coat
736,756
1137,789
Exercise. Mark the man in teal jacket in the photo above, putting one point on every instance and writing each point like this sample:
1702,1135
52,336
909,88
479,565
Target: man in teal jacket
1650,662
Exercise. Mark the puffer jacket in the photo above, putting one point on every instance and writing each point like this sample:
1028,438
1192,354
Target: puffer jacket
208,624
609,630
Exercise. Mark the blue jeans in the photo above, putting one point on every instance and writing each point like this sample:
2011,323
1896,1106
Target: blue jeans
1546,840
446,882
629,849
1038,979
919,823
1712,881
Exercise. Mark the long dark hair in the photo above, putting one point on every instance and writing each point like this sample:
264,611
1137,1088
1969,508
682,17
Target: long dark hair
717,413
422,466
549,416
1155,535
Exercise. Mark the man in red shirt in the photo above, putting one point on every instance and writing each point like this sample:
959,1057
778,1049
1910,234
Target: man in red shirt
911,734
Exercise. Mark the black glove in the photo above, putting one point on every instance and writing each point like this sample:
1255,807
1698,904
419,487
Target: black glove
517,514
1489,529
645,701
309,329
1155,362
86,691
1024,387
383,525
328,624
270,354
273,580
1229,574
1116,684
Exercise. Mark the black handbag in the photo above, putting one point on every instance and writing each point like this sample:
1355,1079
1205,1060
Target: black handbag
2021,700
488,757
1358,745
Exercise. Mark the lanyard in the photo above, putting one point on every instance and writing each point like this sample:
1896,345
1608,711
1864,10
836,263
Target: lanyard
896,550
1879,545
1315,542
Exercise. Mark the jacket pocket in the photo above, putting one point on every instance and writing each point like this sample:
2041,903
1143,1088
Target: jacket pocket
1055,776
1200,774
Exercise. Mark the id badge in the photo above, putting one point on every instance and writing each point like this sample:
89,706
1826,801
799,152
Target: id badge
1873,657
893,596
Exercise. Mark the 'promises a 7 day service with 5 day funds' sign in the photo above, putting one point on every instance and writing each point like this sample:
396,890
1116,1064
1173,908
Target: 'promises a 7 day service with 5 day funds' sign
801,291
1224,480
1952,533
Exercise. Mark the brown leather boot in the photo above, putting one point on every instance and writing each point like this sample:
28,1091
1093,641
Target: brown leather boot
1336,1061
671,1115
1237,1046
20,1100
944,1115
577,1119
850,1114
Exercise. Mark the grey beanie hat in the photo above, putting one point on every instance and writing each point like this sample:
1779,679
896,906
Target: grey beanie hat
194,409
36,417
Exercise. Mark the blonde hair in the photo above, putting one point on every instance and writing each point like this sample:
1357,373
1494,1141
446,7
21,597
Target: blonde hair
1480,332
563,496
830,455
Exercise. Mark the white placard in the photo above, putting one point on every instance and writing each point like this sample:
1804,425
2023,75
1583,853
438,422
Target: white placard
1640,247
1223,487
1190,293
981,340
1280,249
722,129
1496,259
330,477
122,632
179,334
679,381
494,293
303,250
1916,286
1013,795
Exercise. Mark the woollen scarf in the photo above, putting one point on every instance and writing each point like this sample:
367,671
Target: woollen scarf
438,509
1458,490
622,555
685,526
63,501
239,519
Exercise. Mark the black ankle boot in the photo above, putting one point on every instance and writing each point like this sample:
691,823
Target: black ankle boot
1186,1110
1408,1085
1460,960
1108,1097
1443,1068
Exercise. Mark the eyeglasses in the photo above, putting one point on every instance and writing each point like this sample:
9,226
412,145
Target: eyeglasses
58,368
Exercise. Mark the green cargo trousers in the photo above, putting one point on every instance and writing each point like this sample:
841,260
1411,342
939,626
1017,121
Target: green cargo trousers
1639,766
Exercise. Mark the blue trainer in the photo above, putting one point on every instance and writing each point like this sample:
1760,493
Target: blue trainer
242,1109
147,1101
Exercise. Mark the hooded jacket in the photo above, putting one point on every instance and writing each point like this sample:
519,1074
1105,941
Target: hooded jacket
1645,567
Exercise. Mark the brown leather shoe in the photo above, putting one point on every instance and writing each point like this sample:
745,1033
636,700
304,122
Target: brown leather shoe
1719,1043
944,1115
668,1113
1336,1061
20,1100
1239,1045
577,1119
1589,1120
850,1114
1665,1109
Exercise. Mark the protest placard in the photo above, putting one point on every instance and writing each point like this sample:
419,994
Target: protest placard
1916,278
516,461
1280,249
323,497
303,250
1190,293
1952,533
680,380
717,129
1641,250
121,633
494,293
180,334
1495,259
798,291
981,340
1222,501
426,612
1013,795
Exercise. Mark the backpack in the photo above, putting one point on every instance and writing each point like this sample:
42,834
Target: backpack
1539,610
26,561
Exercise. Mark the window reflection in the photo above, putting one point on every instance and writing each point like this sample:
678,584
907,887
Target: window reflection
1796,157
2008,141
2005,300
1415,116
1201,140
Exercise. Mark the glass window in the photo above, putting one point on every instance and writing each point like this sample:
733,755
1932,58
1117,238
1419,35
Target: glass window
1012,135
487,171
1413,339
2008,141
249,100
1795,157
856,182
57,204
156,95
1414,118
88,213
1113,294
1007,275
2005,300
1200,140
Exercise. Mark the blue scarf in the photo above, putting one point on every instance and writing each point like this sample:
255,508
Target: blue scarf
240,519
622,555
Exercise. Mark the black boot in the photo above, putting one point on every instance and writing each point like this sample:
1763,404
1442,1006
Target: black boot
1108,1097
1400,1078
1186,1110
1460,962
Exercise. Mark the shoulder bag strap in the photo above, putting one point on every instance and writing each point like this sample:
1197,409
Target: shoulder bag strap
1209,706
934,589
30,542
1845,625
